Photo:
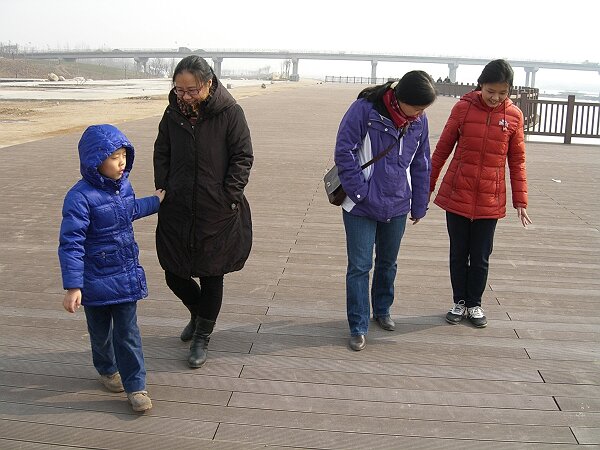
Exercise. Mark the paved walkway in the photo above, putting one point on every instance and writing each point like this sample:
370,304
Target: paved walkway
279,373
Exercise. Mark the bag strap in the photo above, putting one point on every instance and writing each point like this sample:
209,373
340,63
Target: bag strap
386,151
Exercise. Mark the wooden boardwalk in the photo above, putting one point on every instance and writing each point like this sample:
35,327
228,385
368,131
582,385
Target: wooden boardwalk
279,373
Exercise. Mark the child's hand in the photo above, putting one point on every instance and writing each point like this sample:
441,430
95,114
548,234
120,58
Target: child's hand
160,193
72,300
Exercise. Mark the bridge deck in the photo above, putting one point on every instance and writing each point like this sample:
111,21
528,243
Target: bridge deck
279,372
143,54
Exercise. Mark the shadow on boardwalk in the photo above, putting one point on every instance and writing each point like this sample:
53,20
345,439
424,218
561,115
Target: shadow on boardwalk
279,372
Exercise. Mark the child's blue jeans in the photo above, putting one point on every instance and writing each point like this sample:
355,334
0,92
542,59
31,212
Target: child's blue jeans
117,344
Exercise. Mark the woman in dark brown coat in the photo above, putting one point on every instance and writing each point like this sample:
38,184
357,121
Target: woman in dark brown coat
202,158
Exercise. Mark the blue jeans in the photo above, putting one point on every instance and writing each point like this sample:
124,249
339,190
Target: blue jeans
116,343
362,234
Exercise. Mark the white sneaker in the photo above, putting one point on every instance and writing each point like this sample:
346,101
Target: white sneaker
457,312
476,316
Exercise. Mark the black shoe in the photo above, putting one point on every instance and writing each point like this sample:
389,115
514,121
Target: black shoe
357,343
188,331
386,323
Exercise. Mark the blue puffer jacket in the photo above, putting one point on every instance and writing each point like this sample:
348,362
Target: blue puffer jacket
396,184
97,250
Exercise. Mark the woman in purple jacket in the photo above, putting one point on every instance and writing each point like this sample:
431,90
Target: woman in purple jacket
385,120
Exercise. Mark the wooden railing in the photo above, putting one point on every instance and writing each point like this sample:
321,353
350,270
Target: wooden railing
562,118
453,89
357,80
460,89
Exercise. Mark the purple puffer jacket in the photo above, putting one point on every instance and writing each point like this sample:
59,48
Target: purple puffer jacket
396,184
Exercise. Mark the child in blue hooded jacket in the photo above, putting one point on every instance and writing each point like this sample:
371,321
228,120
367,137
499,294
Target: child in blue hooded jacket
99,259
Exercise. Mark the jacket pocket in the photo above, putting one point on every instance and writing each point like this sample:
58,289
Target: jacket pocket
223,203
225,238
456,175
104,264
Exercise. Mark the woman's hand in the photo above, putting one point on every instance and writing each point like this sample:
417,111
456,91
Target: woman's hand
160,193
72,300
523,217
414,221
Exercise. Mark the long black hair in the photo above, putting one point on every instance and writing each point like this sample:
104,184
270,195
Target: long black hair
496,71
415,88
195,65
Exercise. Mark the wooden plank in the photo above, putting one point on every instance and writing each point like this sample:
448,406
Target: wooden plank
339,440
578,404
588,435
93,417
22,445
57,384
72,436
486,385
366,408
551,376
558,335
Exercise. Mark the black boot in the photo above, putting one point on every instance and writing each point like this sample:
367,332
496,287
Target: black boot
199,345
188,331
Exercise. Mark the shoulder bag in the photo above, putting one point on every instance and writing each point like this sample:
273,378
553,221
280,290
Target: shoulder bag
333,186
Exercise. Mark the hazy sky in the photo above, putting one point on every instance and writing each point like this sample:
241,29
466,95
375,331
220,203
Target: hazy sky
526,29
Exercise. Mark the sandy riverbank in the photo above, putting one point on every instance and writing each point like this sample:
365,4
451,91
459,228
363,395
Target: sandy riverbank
30,120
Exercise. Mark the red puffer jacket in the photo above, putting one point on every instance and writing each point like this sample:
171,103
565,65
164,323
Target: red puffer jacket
474,185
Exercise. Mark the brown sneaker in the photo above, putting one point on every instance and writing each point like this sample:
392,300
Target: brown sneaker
112,382
139,400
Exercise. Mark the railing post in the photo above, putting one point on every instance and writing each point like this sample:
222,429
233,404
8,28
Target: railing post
569,122
523,106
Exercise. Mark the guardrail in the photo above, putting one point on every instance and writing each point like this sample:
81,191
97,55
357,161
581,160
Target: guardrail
558,118
460,89
561,118
355,80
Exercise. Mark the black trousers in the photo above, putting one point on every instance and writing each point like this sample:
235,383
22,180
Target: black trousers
204,299
471,243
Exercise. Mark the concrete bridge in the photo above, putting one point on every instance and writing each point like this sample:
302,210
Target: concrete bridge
141,57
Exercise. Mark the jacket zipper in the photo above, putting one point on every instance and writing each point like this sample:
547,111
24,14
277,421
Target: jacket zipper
192,234
497,183
487,129
181,123
123,209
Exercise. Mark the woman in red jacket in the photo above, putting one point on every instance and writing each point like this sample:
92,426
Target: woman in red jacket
487,129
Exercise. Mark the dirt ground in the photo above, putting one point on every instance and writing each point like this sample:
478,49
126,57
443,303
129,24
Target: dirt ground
26,121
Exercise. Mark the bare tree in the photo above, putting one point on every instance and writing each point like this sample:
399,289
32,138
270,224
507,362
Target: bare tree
157,67
285,69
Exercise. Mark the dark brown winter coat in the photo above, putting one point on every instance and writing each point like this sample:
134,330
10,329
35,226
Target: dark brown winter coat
204,223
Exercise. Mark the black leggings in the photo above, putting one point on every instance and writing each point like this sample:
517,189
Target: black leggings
471,244
205,300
